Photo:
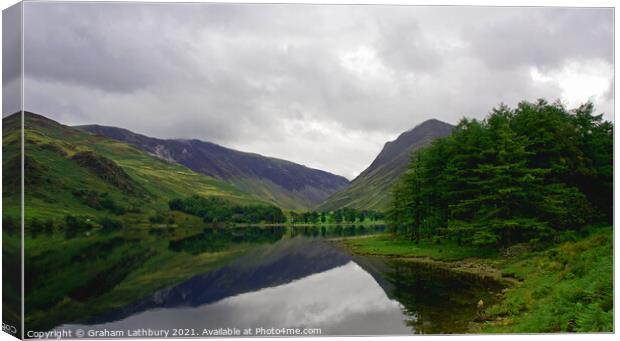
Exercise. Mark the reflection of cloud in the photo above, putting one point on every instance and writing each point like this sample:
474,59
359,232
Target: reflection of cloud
343,300
239,74
321,299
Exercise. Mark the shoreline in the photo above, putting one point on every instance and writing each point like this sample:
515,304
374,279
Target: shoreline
472,265
545,288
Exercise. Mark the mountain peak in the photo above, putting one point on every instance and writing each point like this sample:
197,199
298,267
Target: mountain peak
432,124
371,188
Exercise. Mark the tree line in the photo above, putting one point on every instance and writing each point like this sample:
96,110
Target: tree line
218,210
343,215
519,175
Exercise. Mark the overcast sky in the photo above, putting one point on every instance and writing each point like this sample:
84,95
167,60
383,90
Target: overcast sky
324,86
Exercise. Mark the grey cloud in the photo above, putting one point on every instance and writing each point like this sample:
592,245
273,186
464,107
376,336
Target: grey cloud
117,47
251,76
11,60
403,45
542,36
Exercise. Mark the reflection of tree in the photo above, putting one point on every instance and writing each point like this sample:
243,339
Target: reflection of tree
334,231
214,239
436,299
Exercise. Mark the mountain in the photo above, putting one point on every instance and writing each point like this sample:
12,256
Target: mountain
69,171
284,183
371,189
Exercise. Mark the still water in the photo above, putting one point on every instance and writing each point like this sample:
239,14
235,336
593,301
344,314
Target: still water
300,279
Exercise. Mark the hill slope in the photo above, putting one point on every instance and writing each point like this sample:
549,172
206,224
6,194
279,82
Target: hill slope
72,172
284,183
370,189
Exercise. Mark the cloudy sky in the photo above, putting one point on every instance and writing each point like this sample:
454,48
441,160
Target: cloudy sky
325,86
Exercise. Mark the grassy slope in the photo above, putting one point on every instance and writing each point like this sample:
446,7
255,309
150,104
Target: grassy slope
566,287
51,196
273,193
368,192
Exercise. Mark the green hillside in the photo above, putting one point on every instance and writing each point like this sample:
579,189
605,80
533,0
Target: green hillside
69,172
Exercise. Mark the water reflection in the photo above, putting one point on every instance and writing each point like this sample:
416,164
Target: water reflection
335,231
294,278
356,305
438,300
215,239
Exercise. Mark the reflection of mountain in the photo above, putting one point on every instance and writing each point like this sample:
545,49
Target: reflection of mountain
305,283
277,264
376,267
344,300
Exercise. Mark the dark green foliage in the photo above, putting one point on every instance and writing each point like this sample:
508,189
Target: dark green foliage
35,226
34,175
99,201
109,224
108,171
48,227
347,215
518,175
9,224
158,218
218,210
75,225
54,148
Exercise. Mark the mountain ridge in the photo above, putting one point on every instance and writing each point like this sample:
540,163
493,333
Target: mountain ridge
285,183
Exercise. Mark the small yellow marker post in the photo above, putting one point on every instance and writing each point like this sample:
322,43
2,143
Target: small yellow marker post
480,314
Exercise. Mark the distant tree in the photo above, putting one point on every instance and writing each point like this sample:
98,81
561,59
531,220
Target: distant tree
314,217
323,217
338,216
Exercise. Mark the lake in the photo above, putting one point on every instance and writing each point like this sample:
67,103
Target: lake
298,281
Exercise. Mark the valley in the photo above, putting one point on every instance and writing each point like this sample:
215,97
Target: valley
115,222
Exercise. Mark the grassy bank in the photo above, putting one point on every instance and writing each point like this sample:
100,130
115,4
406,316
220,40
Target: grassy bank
566,287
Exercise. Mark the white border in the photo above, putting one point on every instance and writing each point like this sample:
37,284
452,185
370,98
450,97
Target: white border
536,3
